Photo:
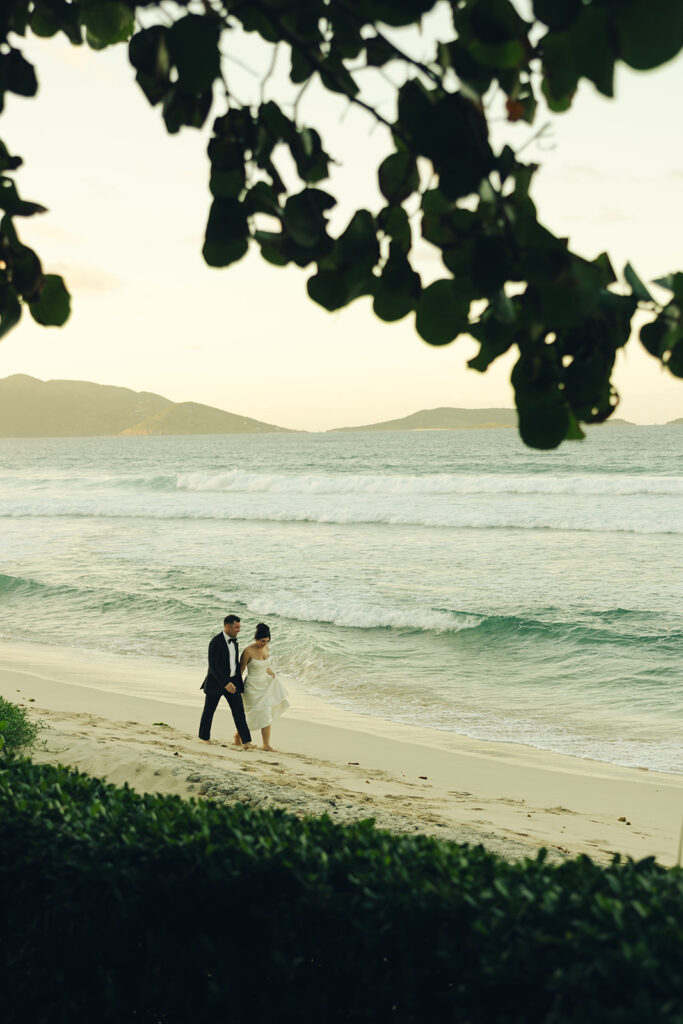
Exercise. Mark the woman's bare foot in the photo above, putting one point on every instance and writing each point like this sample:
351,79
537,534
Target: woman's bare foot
264,747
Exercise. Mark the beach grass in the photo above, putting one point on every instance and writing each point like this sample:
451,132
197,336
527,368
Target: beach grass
17,730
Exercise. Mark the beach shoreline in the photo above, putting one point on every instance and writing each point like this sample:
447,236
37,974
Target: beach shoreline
512,799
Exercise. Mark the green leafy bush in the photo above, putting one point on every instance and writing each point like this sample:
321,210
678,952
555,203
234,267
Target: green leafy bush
16,729
120,907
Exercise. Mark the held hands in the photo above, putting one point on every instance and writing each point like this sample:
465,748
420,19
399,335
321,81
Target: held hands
231,688
270,672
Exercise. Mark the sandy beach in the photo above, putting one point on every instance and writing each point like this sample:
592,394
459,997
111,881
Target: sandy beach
512,799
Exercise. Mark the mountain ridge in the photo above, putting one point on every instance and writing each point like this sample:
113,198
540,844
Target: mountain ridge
452,418
30,407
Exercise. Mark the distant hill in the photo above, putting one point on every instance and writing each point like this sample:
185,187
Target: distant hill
71,408
192,418
678,422
458,419
446,419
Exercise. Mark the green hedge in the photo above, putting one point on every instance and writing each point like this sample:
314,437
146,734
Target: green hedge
118,907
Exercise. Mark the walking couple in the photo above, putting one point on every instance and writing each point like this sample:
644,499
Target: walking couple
254,702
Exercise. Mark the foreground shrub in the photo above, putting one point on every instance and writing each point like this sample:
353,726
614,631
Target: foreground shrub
16,730
119,907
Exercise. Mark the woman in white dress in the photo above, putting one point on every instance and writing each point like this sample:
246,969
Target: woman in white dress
264,695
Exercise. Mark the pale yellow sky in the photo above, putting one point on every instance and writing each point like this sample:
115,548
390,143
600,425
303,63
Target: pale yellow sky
128,206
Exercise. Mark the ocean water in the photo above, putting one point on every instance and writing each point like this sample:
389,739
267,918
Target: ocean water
454,580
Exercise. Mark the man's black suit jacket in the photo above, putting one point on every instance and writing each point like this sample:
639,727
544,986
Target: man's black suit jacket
218,675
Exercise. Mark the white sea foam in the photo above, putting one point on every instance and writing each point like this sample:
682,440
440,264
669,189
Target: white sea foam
239,482
353,615
610,519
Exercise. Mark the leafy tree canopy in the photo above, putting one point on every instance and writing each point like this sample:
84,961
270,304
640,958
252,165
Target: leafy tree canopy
507,280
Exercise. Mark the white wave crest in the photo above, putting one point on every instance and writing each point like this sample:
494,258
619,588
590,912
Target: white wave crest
338,613
238,482
457,516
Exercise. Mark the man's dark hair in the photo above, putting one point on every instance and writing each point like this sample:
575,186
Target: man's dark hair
229,619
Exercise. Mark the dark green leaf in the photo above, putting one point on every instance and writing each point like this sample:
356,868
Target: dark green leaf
224,153
397,289
304,216
193,46
107,22
357,247
663,338
8,162
453,133
477,76
496,21
51,16
180,108
398,177
442,313
393,220
495,337
414,104
592,44
226,233
336,78
310,158
148,53
543,413
224,184
262,198
12,204
492,264
273,247
44,21
256,19
379,51
302,66
557,14
53,306
503,307
27,272
17,74
673,283
10,309
650,32
328,289
561,76
637,287
574,431
513,54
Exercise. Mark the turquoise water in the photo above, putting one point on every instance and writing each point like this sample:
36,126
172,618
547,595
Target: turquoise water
455,580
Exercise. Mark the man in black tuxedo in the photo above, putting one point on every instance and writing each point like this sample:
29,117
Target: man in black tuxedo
224,679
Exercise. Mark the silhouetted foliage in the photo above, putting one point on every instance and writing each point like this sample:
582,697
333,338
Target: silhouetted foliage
507,281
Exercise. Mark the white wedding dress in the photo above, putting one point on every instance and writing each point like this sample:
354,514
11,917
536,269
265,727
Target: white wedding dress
264,696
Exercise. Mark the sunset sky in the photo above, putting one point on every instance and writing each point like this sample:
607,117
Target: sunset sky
128,206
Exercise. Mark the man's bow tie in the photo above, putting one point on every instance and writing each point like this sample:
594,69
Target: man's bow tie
231,640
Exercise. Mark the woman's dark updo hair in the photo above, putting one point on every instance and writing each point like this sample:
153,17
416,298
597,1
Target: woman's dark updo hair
262,632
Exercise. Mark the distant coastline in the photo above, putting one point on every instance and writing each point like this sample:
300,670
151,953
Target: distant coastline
64,408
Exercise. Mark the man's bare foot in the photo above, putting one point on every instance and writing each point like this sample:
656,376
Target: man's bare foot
236,740
264,747
248,746
209,743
